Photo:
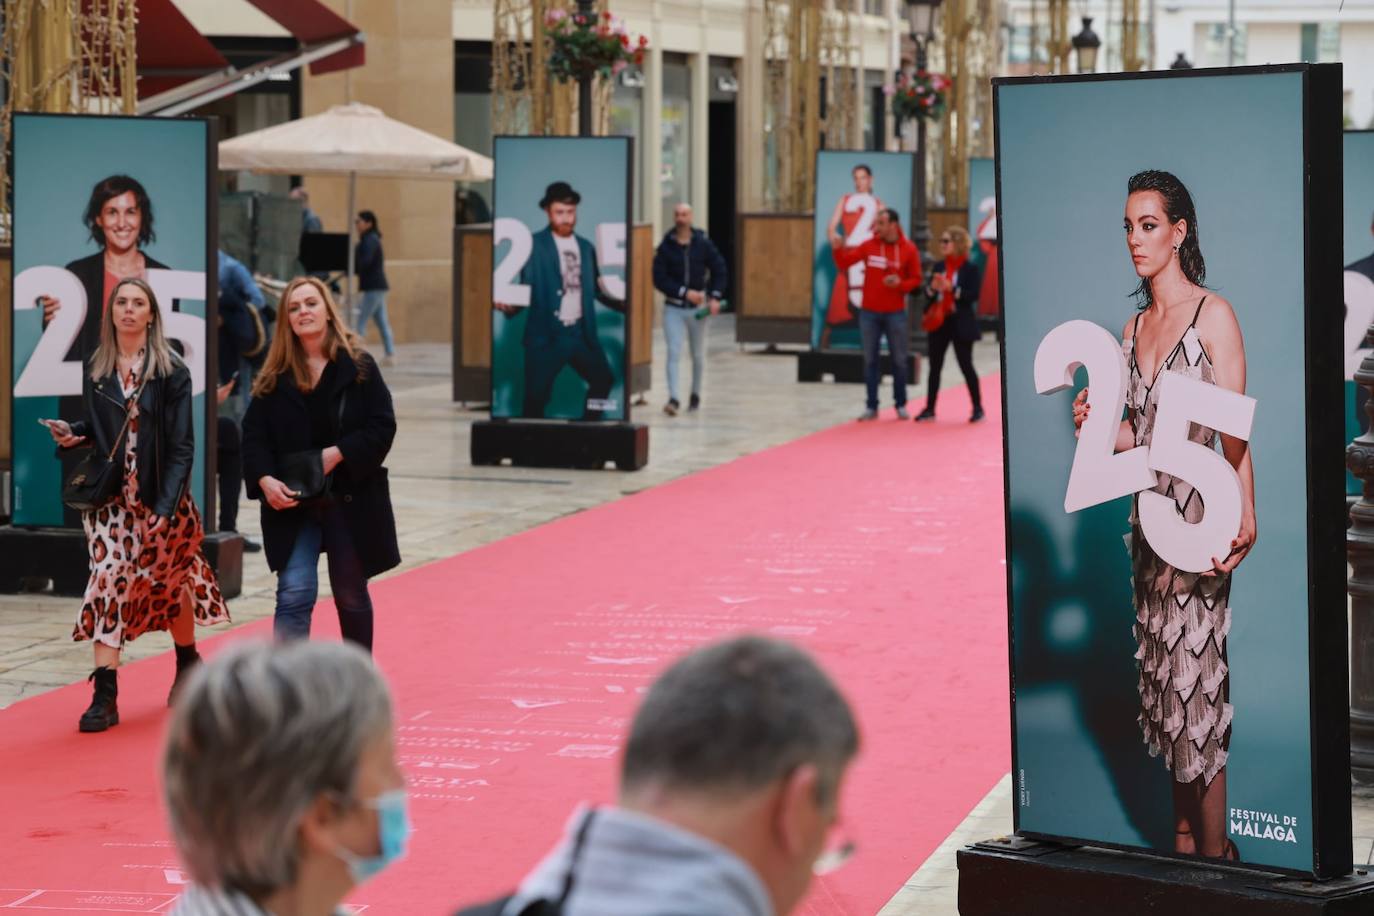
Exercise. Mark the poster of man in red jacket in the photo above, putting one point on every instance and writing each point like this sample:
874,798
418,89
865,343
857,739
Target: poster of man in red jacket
852,188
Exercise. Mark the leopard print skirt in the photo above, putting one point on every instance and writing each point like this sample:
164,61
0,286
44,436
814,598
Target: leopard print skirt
138,577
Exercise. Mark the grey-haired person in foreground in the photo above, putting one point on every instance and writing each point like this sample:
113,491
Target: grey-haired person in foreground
729,796
281,780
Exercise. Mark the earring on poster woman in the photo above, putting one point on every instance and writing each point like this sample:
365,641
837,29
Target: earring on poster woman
1176,249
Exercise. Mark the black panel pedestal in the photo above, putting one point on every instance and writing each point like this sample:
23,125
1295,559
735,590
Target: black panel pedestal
1012,876
537,444
845,366
30,556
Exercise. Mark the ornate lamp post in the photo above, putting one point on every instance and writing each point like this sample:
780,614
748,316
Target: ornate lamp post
1085,45
1359,546
920,17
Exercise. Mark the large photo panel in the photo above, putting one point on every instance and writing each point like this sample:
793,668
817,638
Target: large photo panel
90,192
851,187
1358,278
1170,572
560,258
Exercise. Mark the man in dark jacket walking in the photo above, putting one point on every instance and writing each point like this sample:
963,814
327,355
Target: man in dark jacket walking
690,273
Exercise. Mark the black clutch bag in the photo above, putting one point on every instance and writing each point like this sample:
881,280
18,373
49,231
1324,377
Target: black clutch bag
303,473
95,480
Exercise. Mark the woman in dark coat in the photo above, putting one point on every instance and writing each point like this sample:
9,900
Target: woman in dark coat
953,293
147,569
319,391
370,263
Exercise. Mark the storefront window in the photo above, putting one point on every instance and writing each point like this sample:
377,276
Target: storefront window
675,170
627,120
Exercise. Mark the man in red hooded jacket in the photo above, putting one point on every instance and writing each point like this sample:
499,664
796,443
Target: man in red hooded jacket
892,268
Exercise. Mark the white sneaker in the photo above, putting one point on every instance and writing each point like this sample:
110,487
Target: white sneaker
902,414
868,415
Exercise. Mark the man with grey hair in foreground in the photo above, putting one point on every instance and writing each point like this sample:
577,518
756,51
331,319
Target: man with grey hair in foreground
729,791
281,780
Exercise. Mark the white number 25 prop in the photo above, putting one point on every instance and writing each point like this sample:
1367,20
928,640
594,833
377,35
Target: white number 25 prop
49,372
1100,474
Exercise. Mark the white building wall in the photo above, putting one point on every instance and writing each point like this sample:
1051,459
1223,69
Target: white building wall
1273,42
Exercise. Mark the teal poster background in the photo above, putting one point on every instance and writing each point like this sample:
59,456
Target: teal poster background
982,228
57,161
1066,150
1359,251
834,179
598,168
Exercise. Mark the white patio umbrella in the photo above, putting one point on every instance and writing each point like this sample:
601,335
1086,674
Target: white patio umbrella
352,140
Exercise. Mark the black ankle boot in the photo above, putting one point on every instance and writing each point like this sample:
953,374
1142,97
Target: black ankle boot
104,709
187,659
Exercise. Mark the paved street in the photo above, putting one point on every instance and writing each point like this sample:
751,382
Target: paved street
444,506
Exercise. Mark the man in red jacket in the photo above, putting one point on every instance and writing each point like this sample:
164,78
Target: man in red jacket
892,268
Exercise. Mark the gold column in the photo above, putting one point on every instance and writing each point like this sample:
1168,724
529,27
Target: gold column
1130,36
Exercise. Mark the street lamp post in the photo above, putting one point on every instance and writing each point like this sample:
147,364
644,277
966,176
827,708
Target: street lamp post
921,22
1085,45
584,80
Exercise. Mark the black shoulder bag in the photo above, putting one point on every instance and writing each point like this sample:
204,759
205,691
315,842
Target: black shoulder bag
96,479
303,472
540,907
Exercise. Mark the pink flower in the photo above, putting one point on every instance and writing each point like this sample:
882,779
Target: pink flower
617,67
889,90
555,15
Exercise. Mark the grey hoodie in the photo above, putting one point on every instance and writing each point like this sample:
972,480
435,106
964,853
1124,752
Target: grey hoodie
634,865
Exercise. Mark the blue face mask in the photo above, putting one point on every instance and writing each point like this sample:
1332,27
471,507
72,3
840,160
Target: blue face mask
393,835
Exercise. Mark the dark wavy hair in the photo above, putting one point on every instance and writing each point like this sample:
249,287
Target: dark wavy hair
368,216
1178,205
106,190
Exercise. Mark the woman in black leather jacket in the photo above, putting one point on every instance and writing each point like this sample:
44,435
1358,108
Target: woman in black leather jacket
147,569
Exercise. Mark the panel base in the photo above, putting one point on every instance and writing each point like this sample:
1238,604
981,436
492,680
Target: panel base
847,366
772,330
30,557
1013,876
536,444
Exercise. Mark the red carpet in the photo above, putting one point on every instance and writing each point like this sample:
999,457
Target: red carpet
516,668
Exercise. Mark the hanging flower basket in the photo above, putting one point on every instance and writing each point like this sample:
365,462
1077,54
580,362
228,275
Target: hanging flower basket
919,96
586,45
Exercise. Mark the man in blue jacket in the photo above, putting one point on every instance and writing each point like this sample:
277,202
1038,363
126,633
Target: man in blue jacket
560,322
689,272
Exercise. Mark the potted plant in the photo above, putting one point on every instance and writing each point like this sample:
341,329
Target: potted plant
582,45
919,96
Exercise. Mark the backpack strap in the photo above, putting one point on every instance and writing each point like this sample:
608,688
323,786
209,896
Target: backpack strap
541,907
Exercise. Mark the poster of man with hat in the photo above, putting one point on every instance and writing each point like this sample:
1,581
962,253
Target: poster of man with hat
551,278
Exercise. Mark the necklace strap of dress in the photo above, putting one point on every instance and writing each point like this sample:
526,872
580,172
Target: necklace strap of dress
1193,323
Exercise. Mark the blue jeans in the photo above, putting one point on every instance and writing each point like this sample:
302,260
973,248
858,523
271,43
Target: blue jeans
682,324
893,326
324,530
373,305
